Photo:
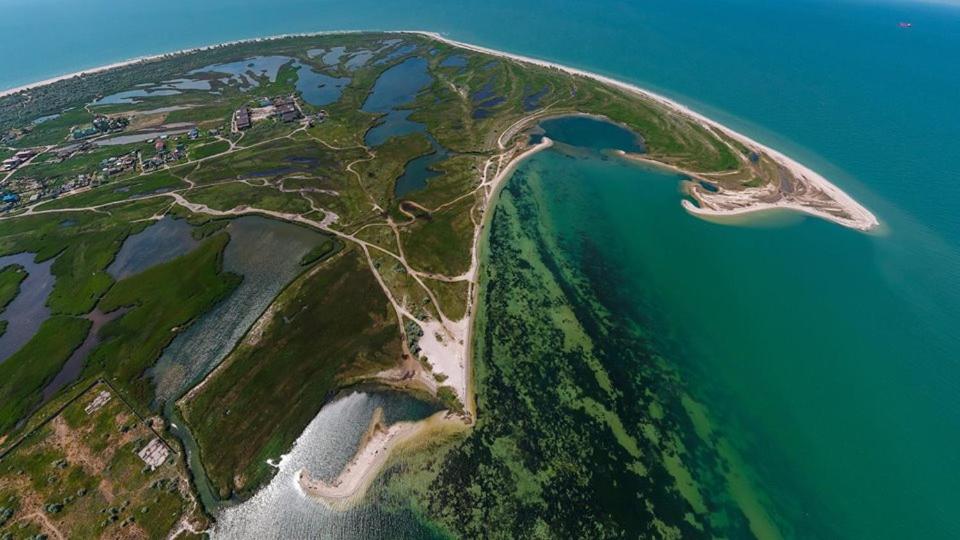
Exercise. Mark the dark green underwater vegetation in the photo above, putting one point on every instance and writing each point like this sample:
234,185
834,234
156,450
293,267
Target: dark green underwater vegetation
584,427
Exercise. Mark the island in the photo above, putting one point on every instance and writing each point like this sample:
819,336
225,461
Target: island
233,236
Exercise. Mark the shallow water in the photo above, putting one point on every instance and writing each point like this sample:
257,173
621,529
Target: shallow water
319,89
162,241
267,254
27,311
395,87
591,133
241,70
282,510
133,96
46,118
794,353
74,365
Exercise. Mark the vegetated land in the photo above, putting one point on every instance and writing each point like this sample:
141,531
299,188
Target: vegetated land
163,300
24,374
399,262
329,328
10,278
78,475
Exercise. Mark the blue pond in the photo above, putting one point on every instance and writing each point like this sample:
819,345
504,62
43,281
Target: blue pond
418,171
163,241
454,61
400,51
318,88
27,311
592,133
532,101
358,59
332,57
395,87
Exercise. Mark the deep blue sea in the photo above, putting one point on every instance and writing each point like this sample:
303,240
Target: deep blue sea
837,352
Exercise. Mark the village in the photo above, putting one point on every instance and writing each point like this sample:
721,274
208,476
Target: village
19,188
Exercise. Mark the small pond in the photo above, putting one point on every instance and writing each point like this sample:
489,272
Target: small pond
592,133
319,89
162,241
27,311
455,60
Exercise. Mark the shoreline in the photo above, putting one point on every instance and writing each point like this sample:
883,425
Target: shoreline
860,218
352,483
378,444
189,50
380,441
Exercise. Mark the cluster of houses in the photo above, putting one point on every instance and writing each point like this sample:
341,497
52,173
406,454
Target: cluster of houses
283,108
29,189
164,155
101,124
117,165
18,159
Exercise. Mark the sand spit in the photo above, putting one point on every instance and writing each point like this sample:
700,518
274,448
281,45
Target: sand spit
377,445
810,192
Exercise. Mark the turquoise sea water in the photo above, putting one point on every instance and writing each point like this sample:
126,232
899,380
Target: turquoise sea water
831,353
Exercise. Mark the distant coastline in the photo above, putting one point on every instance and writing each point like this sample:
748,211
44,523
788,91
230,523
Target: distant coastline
858,217
160,56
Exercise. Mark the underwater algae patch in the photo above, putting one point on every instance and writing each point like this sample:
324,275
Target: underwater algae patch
583,429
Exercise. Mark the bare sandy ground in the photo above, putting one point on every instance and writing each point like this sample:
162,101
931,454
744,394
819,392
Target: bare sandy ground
376,448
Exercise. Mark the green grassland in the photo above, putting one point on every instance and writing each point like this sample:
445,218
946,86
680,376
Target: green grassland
163,301
11,277
208,150
237,194
78,476
441,242
328,329
116,191
24,374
